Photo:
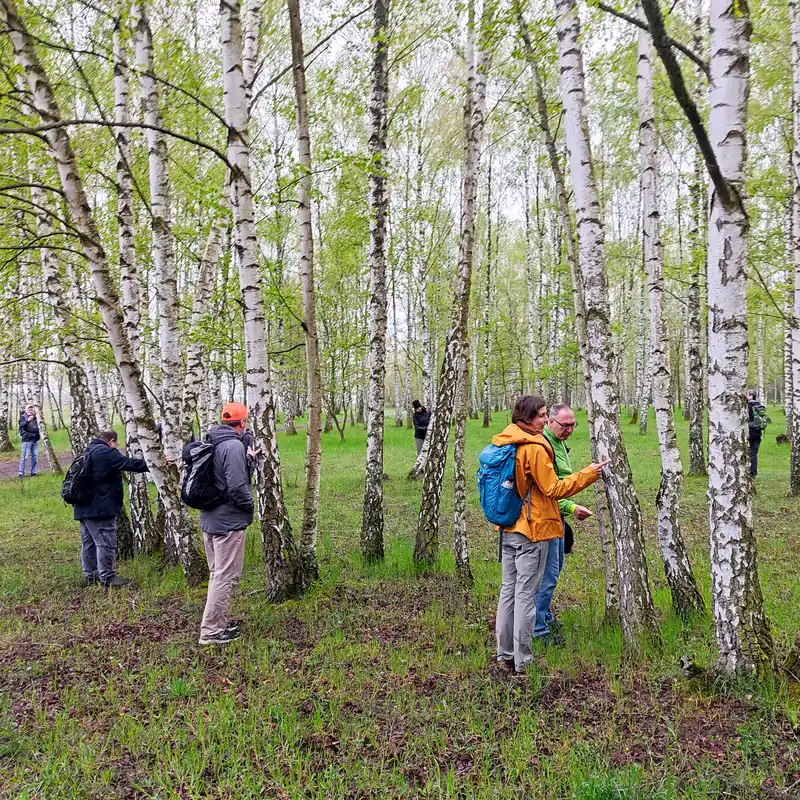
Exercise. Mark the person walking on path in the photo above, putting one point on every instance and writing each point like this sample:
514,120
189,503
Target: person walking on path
421,419
756,423
30,436
558,429
524,546
224,526
98,516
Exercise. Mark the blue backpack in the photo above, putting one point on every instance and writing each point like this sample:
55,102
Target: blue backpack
496,486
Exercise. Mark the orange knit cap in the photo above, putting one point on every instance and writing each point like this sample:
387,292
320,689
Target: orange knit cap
234,412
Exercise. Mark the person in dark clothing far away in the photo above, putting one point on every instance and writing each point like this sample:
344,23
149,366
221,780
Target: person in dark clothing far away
224,526
756,423
29,435
98,518
422,418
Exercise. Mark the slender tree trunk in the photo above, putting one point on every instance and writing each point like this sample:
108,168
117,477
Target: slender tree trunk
636,605
460,541
427,536
308,533
761,345
529,277
372,516
5,411
178,523
166,279
788,378
742,630
284,573
794,464
487,302
686,597
398,387
643,366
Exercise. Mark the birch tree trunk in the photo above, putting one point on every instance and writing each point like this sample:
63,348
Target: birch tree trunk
284,571
427,536
743,636
372,515
166,279
487,301
178,523
398,386
636,605
686,598
643,356
143,531
760,344
788,378
794,464
308,533
529,278
5,411
460,541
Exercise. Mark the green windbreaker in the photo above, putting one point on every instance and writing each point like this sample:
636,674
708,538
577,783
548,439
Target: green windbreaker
563,467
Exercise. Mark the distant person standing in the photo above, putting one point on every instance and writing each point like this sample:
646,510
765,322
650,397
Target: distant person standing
756,423
30,436
224,525
98,515
421,419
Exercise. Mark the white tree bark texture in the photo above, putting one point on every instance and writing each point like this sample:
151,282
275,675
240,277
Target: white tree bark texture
372,523
177,522
308,532
742,630
686,598
637,614
280,553
794,465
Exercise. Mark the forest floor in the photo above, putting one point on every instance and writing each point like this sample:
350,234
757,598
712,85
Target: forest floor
379,684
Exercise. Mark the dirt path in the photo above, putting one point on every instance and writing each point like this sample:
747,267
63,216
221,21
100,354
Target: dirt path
9,463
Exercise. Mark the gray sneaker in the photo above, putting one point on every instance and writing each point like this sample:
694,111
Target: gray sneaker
223,637
117,583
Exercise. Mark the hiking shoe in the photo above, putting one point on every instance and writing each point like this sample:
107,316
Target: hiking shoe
223,637
117,583
90,580
505,665
233,625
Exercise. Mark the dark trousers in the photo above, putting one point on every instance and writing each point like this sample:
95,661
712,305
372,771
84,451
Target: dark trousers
99,548
754,445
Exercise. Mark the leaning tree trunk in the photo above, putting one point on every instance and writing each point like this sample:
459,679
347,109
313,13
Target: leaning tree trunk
427,536
372,514
686,598
178,523
308,533
284,574
579,303
460,541
166,278
743,635
637,614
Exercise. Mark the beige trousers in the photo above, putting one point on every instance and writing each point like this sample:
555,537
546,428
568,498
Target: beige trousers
225,556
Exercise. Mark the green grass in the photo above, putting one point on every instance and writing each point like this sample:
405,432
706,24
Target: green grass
377,683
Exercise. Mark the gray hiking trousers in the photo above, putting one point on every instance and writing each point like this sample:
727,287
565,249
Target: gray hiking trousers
523,566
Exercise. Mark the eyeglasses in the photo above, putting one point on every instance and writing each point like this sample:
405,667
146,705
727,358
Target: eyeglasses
569,426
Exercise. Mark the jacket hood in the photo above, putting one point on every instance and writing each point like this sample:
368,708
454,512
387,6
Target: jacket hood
513,434
222,432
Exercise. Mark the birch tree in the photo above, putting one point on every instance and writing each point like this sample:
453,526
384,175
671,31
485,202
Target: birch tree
794,466
372,515
636,605
308,535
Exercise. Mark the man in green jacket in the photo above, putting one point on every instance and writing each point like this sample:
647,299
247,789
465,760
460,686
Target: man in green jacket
559,428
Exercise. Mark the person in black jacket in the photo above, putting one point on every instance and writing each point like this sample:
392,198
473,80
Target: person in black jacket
98,518
756,414
422,418
29,435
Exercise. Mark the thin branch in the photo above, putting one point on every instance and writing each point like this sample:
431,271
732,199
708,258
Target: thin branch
690,54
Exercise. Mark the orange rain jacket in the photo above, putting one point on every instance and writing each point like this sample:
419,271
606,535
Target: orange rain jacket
540,518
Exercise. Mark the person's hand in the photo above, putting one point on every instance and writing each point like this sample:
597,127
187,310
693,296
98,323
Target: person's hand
598,468
254,452
581,512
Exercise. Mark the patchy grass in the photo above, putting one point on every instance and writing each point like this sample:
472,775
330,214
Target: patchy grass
378,683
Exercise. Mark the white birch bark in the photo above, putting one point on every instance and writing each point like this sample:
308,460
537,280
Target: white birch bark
177,523
460,540
398,386
794,464
166,278
742,631
280,554
427,536
636,604
250,47
686,598
788,378
308,533
487,301
372,515
530,279
5,411
760,345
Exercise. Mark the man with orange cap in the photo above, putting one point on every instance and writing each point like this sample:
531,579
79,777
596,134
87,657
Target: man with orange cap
224,526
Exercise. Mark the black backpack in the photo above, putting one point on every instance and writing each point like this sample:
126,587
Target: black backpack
199,489
76,489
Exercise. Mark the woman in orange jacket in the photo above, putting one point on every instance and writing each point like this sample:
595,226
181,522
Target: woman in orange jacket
524,545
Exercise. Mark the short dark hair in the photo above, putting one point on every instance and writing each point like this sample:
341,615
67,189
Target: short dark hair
527,407
416,404
751,394
108,436
558,408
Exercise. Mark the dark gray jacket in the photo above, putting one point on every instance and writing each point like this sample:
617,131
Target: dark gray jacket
232,476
